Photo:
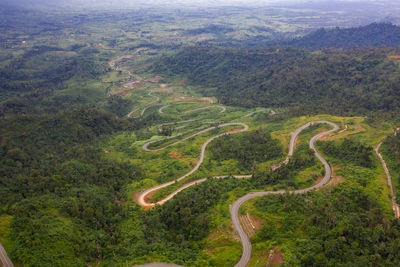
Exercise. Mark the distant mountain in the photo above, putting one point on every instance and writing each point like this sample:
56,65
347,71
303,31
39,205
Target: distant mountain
375,34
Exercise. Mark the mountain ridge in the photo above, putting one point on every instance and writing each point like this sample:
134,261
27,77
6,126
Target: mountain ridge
374,34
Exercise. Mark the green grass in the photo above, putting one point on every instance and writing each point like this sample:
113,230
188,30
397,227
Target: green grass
5,232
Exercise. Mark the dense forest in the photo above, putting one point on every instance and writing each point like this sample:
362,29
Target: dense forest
32,83
356,81
344,226
248,149
60,188
374,35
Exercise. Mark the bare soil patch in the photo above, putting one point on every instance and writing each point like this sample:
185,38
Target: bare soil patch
318,180
149,197
155,79
247,227
324,137
257,222
207,100
297,142
234,130
164,90
175,154
335,178
395,58
276,258
132,84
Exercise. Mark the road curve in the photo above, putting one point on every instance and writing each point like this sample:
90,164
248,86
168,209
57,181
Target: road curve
141,198
395,206
5,260
161,110
148,105
146,146
258,111
223,109
246,245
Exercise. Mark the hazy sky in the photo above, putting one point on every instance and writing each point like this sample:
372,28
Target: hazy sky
100,4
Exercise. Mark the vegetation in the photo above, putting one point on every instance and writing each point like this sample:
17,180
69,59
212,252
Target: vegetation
373,35
175,231
343,225
60,188
247,149
72,161
349,151
390,152
352,82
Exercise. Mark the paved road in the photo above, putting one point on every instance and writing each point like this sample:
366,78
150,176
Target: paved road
389,178
246,245
161,110
223,109
146,146
141,199
5,260
148,105
246,251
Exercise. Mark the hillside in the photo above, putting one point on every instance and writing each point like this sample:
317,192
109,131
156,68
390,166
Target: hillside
354,81
375,35
114,150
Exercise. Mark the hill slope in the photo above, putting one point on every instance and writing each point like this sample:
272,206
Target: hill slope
375,34
355,81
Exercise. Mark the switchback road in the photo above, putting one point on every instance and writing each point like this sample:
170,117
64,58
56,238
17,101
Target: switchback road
246,245
141,199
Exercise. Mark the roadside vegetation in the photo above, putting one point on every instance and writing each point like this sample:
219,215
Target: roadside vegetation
81,95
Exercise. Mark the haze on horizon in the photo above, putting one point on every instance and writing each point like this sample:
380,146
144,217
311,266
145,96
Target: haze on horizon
133,4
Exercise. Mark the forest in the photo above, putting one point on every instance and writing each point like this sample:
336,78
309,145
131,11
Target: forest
358,81
81,93
372,35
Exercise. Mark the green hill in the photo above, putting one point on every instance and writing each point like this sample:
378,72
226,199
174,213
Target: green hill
349,82
375,35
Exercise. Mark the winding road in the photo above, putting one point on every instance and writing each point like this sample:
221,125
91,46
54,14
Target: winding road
148,105
234,208
246,245
141,198
395,206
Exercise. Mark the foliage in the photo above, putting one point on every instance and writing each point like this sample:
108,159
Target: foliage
355,81
390,151
374,34
343,225
348,150
247,148
174,230
63,193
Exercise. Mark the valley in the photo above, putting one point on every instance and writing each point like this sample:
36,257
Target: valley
190,136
